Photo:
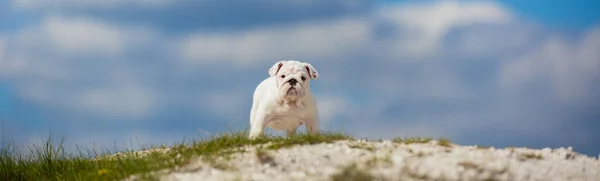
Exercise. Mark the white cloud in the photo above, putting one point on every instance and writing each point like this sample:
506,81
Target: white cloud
2,49
45,4
124,101
422,26
490,42
82,35
225,103
46,65
119,94
588,53
314,39
331,106
426,24
432,82
570,68
368,119
44,49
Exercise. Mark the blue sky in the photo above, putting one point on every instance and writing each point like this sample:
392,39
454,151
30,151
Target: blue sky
563,13
497,73
5,101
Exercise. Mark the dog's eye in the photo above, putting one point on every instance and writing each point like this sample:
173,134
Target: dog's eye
303,78
282,76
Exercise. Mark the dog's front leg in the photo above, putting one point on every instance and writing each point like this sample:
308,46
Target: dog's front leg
312,126
257,127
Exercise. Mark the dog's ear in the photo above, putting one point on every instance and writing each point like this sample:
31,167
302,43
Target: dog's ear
275,68
312,72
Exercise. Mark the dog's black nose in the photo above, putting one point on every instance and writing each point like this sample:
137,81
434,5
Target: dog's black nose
293,82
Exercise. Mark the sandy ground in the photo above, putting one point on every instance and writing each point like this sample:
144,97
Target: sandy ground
387,160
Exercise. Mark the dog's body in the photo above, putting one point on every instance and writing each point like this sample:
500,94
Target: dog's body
283,101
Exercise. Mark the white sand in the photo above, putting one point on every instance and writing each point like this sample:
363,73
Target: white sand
395,161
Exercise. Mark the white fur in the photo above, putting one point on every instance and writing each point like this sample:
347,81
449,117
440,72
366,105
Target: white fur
273,105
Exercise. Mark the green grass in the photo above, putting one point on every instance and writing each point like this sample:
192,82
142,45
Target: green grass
50,161
444,142
412,140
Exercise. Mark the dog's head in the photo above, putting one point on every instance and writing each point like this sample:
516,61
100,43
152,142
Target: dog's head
293,78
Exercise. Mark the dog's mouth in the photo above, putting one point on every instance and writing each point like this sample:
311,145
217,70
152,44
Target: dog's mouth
292,92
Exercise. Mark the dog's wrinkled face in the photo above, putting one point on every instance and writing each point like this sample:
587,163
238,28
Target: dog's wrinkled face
293,78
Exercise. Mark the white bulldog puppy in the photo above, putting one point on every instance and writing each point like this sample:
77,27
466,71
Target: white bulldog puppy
283,101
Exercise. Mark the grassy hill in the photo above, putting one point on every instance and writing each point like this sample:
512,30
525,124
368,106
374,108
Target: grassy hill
51,162
328,156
